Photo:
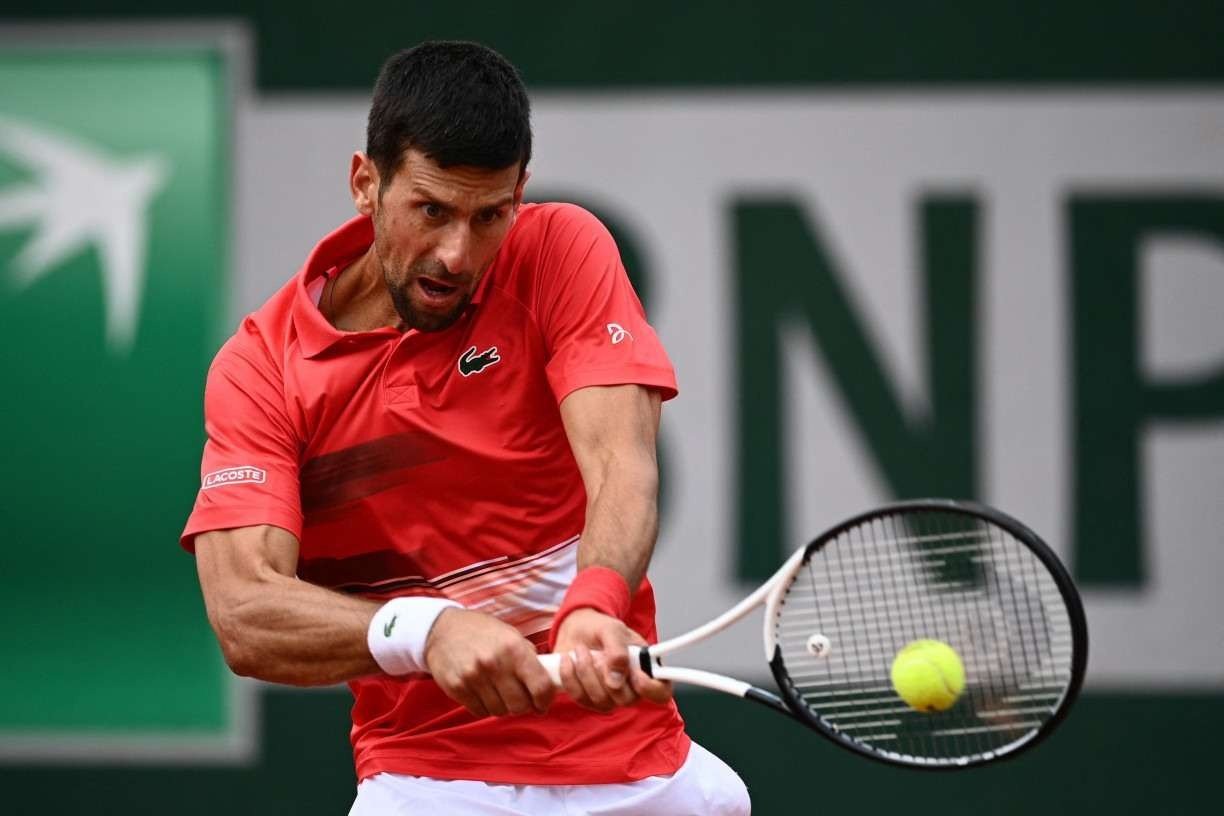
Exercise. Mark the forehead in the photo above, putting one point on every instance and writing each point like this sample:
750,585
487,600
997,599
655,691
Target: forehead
418,174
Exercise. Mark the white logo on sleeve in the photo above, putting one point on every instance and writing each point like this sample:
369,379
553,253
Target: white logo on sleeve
618,333
243,474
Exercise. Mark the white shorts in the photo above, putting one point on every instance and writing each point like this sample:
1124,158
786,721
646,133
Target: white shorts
703,786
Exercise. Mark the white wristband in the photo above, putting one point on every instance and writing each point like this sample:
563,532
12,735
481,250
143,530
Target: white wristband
398,631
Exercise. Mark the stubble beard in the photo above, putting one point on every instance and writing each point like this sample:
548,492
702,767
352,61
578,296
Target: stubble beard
422,319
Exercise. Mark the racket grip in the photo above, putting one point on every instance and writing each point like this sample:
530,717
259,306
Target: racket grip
552,663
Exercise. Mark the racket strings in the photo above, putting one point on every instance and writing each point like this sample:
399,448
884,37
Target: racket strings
933,575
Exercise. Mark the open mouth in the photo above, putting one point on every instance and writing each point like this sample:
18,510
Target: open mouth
436,290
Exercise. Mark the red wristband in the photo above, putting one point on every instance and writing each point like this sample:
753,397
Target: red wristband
600,588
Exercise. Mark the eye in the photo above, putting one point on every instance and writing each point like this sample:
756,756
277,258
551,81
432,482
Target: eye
489,216
432,211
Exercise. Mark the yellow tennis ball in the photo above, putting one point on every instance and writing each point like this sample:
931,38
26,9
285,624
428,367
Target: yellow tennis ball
928,675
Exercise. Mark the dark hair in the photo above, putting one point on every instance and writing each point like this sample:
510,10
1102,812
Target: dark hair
460,103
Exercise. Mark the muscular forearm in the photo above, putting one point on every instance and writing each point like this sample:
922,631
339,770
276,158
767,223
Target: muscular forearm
270,624
620,532
284,630
622,518
612,432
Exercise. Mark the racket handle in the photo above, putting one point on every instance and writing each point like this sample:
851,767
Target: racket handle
552,662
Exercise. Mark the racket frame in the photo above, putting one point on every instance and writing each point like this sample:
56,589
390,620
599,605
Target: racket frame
1058,573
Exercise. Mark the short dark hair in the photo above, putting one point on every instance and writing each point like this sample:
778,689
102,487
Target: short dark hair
459,103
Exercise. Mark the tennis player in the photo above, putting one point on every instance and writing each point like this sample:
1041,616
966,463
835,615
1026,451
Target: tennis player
431,455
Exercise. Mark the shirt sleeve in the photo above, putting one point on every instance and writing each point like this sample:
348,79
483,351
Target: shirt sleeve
594,327
249,472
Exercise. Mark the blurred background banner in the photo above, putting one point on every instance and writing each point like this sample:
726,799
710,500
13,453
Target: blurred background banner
115,207
975,251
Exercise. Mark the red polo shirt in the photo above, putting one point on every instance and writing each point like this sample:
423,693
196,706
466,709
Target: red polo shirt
436,463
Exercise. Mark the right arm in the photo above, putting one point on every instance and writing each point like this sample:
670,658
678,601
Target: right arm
270,624
275,627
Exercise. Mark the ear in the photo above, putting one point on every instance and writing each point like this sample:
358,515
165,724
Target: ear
518,189
363,183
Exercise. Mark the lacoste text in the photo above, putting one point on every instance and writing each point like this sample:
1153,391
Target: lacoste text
245,474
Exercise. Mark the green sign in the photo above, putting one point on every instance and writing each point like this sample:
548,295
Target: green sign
114,245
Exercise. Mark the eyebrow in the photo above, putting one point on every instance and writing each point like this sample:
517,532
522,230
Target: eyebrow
504,201
421,192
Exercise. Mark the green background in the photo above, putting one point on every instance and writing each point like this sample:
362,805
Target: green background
315,44
1121,751
102,446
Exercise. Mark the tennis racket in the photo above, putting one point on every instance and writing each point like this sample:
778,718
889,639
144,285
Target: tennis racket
838,611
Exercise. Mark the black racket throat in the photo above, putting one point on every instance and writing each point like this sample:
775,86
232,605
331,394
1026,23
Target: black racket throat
768,699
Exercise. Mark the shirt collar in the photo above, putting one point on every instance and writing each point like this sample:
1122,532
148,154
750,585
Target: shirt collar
315,334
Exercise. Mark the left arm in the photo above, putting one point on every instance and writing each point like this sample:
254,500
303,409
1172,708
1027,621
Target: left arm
612,431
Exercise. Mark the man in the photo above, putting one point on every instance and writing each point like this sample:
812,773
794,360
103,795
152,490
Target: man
432,455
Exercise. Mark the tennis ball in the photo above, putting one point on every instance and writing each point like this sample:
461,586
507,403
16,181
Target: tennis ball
928,675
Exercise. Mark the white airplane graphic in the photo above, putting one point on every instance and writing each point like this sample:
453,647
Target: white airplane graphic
83,196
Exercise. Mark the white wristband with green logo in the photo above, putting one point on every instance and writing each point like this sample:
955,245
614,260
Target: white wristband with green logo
398,631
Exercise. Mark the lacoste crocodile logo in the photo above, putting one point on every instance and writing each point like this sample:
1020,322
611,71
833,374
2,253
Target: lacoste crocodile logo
472,363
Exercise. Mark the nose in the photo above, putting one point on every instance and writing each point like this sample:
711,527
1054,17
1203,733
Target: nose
455,247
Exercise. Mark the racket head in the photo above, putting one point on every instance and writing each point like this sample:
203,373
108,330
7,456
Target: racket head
954,571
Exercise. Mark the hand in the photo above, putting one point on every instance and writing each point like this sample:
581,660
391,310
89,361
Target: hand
486,665
599,675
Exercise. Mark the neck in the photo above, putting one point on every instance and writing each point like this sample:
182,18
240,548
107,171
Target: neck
356,298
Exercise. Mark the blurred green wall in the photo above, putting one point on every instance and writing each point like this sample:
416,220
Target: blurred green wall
313,44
